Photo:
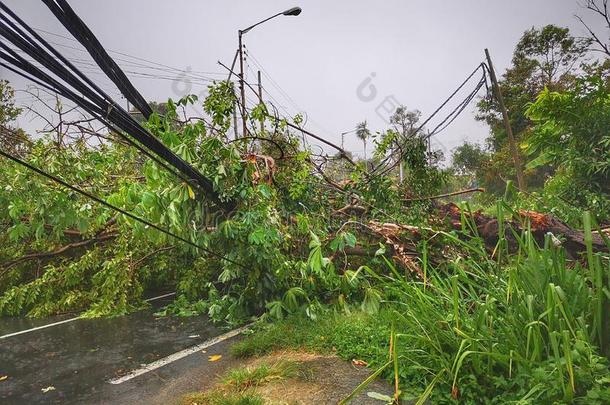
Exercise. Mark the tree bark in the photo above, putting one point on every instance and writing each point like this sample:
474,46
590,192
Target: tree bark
573,240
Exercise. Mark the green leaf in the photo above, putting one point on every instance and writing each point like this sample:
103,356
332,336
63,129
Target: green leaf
381,397
315,259
350,239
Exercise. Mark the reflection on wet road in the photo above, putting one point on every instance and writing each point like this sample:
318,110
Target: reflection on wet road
72,362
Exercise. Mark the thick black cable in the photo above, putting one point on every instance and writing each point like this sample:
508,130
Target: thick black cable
117,209
90,108
73,23
92,101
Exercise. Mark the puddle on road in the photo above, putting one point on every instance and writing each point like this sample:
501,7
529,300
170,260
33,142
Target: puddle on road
77,358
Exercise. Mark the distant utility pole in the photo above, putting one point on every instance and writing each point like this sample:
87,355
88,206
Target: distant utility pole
241,85
343,138
509,131
429,149
235,118
260,98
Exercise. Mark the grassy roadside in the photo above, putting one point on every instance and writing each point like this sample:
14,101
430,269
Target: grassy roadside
505,327
290,377
530,329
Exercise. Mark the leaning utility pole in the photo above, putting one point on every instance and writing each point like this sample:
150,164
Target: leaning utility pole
509,131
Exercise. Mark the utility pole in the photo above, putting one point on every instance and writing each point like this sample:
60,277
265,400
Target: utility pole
235,117
429,149
241,85
294,11
509,131
260,98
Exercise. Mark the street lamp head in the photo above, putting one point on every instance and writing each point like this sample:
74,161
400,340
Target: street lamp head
293,11
290,11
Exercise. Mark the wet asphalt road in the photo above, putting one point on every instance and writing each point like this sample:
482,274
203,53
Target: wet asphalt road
78,358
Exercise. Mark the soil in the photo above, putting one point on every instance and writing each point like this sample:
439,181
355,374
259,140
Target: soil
324,379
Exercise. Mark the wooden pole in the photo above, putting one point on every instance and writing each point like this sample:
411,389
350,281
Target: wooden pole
241,86
235,118
509,131
260,99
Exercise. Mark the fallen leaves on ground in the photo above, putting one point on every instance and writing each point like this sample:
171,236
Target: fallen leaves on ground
359,363
215,357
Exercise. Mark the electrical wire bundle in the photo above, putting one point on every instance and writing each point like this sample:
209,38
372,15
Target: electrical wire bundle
61,76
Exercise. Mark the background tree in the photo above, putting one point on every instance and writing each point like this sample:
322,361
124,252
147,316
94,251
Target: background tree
363,133
469,159
405,124
572,134
544,57
12,139
599,9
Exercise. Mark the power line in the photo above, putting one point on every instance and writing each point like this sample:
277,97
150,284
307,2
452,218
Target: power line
274,83
458,110
91,68
80,31
117,209
158,66
74,85
287,97
418,129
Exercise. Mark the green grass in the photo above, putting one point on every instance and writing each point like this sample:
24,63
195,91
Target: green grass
349,335
244,378
529,327
222,398
239,385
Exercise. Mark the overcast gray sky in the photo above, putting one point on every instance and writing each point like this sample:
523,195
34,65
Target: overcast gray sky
417,51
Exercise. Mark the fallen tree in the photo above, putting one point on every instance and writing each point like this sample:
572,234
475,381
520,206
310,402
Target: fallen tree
488,228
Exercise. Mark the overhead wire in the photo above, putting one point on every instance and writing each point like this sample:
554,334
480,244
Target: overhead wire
167,67
457,110
84,92
79,30
117,209
376,171
274,83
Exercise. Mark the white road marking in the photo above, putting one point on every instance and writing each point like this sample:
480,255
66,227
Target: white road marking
69,320
178,355
38,328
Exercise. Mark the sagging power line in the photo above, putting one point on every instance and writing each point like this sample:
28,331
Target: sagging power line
117,209
71,83
382,169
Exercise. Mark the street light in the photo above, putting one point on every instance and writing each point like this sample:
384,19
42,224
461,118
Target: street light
294,11
343,136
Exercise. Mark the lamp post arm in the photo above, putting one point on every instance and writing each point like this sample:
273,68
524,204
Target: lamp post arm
260,22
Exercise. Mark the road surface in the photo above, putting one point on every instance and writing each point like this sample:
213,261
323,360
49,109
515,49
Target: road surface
107,361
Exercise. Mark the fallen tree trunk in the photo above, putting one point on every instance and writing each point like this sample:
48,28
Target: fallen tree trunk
59,251
572,240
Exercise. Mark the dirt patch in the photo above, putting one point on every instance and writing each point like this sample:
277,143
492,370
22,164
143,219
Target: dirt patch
320,379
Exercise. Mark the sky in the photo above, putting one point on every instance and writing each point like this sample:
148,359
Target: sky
338,63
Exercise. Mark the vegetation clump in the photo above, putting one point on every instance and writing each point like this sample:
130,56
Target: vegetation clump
357,257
